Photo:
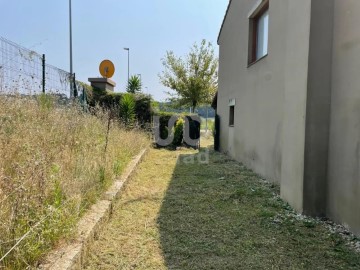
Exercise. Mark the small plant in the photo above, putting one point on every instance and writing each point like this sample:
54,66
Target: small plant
58,195
127,109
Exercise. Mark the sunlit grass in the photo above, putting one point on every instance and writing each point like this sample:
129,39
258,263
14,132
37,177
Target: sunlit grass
180,214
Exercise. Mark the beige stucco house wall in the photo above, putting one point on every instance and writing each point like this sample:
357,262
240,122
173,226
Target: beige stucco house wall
296,110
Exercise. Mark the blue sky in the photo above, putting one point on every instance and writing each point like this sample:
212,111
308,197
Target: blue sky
102,28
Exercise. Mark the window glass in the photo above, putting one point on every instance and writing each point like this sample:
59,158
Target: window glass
258,33
231,115
262,35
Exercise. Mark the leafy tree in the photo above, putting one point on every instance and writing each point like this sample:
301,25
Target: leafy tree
127,109
193,79
134,84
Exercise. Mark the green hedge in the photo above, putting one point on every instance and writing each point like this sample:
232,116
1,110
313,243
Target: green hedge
143,108
179,128
111,101
164,119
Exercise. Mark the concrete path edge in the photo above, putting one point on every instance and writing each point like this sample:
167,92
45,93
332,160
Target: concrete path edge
73,255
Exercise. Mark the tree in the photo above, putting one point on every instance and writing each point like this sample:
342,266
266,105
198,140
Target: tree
134,84
193,79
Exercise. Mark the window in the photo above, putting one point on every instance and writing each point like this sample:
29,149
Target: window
259,33
231,116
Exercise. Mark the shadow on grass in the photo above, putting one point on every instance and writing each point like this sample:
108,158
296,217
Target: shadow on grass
216,214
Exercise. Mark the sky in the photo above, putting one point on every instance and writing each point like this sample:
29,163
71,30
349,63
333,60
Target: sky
102,28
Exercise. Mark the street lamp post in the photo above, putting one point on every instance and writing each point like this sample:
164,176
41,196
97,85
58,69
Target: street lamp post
71,53
139,75
128,50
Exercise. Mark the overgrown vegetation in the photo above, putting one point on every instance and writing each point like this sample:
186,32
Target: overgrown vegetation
54,163
179,213
111,101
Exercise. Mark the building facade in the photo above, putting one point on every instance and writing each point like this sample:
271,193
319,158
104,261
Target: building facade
289,100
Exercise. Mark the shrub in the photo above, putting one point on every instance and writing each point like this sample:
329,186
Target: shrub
194,126
127,109
178,132
163,125
143,109
111,101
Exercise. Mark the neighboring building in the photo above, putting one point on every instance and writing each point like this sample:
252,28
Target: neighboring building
289,99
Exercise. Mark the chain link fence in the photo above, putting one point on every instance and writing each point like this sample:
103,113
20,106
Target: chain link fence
25,72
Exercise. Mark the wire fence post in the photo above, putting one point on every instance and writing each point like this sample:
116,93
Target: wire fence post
74,86
43,74
83,95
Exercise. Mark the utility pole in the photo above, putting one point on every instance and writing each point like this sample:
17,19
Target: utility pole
43,73
71,53
128,50
139,76
207,116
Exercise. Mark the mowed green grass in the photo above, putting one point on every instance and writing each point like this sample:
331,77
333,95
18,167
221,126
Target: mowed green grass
180,214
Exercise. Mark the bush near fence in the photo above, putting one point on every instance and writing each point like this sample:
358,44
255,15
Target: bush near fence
111,101
179,129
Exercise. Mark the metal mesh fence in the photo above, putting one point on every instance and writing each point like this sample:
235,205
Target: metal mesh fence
57,80
24,71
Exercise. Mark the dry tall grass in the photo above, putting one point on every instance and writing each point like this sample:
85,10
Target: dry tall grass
53,166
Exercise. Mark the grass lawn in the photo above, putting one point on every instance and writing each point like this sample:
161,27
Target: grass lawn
176,214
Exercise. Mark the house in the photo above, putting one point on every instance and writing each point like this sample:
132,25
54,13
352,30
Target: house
289,100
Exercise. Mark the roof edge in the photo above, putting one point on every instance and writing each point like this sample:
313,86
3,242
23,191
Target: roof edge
223,22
